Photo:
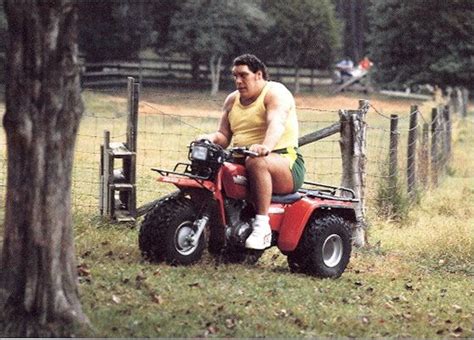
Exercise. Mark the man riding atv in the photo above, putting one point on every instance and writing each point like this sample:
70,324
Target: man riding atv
261,115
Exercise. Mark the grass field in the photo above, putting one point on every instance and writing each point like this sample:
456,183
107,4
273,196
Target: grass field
415,280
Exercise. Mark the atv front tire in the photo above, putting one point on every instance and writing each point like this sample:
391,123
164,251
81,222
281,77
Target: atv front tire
164,234
325,248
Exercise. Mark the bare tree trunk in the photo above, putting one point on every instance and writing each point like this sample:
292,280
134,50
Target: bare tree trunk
297,79
195,72
38,281
215,67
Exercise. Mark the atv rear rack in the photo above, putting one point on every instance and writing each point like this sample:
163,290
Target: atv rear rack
328,192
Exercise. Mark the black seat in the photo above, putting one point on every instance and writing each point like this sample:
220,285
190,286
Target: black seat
286,199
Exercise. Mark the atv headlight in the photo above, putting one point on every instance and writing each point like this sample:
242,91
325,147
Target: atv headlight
199,153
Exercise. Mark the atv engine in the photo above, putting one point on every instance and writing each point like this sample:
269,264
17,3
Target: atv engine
238,213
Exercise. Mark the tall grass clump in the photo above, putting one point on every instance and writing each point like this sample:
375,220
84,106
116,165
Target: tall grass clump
391,199
439,231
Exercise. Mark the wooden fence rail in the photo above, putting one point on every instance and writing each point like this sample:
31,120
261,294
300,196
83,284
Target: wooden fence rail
178,72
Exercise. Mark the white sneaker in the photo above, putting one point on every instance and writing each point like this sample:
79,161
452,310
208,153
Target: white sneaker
261,236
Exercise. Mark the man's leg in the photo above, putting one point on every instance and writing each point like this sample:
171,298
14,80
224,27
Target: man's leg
267,175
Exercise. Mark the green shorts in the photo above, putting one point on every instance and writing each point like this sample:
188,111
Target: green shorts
296,165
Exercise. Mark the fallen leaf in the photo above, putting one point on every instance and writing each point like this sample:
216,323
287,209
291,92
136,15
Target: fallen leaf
116,299
457,308
298,322
282,313
212,330
230,323
157,298
82,270
365,320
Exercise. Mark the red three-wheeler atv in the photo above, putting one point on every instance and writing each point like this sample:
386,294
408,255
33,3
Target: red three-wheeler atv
312,227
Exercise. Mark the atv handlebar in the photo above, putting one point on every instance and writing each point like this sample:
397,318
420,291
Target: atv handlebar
243,151
239,150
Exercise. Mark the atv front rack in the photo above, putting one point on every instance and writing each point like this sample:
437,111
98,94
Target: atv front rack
185,173
314,189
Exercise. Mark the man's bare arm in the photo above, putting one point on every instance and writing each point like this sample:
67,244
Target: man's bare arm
223,135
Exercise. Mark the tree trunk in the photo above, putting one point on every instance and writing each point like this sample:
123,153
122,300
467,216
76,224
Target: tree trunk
195,71
215,67
38,281
297,79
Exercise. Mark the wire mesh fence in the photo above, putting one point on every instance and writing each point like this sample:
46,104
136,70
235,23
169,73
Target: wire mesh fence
169,120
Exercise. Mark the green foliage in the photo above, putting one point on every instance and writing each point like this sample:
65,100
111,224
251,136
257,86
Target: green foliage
355,16
208,28
415,42
305,32
110,30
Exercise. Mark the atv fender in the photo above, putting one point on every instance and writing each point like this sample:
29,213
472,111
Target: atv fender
294,222
298,214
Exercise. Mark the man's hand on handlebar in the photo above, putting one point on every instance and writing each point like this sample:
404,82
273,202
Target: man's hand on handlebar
259,149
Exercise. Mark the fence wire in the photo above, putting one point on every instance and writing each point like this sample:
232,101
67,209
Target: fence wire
169,121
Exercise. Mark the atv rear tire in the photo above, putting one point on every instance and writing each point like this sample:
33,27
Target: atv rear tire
164,231
324,249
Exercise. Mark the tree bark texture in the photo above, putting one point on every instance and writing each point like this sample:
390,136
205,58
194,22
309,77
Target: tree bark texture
38,281
215,65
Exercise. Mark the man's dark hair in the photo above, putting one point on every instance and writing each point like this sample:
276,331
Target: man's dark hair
254,64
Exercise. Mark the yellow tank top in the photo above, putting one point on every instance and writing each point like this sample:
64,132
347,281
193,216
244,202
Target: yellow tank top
248,123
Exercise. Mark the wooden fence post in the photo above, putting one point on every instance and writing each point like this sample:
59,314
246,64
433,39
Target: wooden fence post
442,128
424,156
411,152
132,122
434,147
448,133
393,152
465,102
353,153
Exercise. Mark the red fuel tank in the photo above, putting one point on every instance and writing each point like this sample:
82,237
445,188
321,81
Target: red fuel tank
235,181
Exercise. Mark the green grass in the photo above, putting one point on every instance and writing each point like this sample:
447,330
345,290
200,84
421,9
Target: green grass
414,281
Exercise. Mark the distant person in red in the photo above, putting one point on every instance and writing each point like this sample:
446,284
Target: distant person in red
365,64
